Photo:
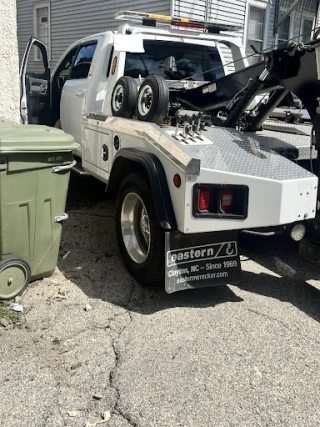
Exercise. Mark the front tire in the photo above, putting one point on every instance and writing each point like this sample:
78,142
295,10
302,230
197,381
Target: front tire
140,237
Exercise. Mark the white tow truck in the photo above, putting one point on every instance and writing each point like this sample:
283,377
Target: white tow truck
186,148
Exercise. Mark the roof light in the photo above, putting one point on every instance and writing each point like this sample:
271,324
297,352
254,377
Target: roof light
151,18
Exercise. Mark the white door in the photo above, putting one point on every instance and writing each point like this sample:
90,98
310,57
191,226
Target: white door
74,91
34,86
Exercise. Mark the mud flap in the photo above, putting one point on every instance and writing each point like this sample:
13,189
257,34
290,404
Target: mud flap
201,260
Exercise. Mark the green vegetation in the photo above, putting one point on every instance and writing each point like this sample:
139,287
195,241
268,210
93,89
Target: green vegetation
8,314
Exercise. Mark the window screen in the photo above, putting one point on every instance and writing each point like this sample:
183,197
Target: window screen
306,29
175,61
42,29
284,30
255,32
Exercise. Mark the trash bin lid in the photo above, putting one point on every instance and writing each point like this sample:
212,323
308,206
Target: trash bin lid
20,138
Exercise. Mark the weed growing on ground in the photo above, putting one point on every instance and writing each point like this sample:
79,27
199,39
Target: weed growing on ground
8,314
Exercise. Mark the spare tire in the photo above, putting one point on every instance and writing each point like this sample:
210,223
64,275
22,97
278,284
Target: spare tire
124,97
153,100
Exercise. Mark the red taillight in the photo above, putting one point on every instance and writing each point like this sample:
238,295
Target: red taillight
225,200
204,200
177,181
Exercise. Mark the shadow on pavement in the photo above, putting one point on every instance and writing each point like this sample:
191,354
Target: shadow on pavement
84,191
280,255
95,265
90,237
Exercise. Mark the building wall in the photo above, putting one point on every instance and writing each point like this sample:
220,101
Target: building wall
9,63
73,19
234,12
304,9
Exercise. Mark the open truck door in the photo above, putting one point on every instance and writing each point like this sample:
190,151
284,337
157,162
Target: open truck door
34,86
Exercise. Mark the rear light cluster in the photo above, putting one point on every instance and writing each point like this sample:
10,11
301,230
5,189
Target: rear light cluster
223,201
204,200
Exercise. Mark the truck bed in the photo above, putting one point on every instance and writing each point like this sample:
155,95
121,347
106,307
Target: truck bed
291,140
247,153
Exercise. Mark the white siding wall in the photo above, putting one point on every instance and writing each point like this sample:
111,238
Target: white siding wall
9,64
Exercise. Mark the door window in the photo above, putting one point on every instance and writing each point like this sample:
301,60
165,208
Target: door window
82,64
65,66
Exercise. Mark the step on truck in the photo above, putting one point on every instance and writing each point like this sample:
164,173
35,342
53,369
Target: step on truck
188,150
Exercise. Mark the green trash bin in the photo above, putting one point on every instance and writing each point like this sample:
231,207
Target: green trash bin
35,164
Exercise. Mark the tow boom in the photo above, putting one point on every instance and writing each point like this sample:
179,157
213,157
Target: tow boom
227,99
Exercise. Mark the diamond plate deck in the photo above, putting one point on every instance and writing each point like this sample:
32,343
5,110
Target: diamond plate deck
295,147
247,154
287,138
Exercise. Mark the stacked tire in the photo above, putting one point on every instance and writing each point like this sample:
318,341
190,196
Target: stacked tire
149,104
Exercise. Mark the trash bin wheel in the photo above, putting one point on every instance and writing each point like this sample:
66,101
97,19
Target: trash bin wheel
15,275
124,97
153,100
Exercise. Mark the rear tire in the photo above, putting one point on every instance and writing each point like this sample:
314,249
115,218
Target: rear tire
124,97
140,237
153,100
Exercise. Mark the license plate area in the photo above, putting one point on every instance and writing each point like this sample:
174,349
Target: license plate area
201,260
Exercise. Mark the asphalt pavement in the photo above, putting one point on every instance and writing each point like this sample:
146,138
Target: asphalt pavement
96,348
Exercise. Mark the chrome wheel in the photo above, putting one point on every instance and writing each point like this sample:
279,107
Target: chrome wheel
135,228
145,100
117,98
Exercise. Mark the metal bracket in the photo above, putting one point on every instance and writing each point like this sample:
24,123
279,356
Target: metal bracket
61,218
56,169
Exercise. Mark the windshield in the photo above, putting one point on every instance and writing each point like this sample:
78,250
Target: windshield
175,61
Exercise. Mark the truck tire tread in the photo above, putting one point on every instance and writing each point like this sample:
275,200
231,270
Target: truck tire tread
152,270
160,104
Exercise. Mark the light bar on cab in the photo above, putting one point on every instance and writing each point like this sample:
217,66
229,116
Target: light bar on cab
152,19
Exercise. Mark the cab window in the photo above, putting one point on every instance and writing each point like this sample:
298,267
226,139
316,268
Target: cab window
175,61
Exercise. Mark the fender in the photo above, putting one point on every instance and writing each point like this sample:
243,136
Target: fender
130,160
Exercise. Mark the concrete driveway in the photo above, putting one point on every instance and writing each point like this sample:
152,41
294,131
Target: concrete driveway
96,348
